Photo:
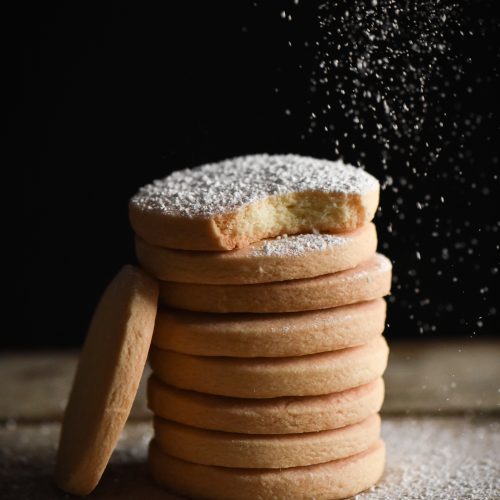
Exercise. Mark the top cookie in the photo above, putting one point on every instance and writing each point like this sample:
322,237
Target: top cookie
230,204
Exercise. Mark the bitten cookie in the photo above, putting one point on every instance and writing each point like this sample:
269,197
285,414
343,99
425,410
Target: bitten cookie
277,259
328,481
107,378
269,335
369,280
272,377
230,204
267,451
284,415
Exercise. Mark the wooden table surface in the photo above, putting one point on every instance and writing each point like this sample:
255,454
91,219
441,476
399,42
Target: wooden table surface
441,424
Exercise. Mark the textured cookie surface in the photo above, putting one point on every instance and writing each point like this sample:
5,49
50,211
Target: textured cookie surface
309,375
269,335
369,280
278,259
107,378
230,204
328,481
284,415
228,449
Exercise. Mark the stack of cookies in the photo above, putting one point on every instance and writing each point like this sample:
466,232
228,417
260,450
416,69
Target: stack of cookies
267,352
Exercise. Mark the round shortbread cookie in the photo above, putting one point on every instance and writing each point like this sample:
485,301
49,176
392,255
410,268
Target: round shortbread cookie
230,204
269,335
267,451
309,375
278,259
328,481
284,415
107,378
370,280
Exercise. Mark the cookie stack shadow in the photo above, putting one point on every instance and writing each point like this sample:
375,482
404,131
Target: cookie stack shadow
267,367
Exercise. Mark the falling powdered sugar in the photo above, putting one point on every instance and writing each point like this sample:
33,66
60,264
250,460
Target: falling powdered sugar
297,245
227,186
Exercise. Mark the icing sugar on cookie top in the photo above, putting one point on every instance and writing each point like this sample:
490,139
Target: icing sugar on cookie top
297,244
228,185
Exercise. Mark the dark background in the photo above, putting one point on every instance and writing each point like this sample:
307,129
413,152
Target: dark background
116,94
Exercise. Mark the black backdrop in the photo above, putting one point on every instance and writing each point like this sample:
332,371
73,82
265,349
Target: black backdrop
119,93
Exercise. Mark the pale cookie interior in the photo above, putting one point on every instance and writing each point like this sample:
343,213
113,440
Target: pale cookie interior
299,212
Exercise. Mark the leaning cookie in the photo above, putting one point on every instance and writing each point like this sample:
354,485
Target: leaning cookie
277,259
272,377
328,481
283,415
370,280
233,203
106,380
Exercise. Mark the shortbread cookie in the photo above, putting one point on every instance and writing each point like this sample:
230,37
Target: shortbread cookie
272,377
108,375
328,481
369,280
277,259
269,451
284,415
230,204
269,335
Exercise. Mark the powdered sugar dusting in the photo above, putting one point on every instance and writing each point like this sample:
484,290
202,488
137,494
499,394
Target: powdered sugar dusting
381,265
226,186
298,245
440,457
